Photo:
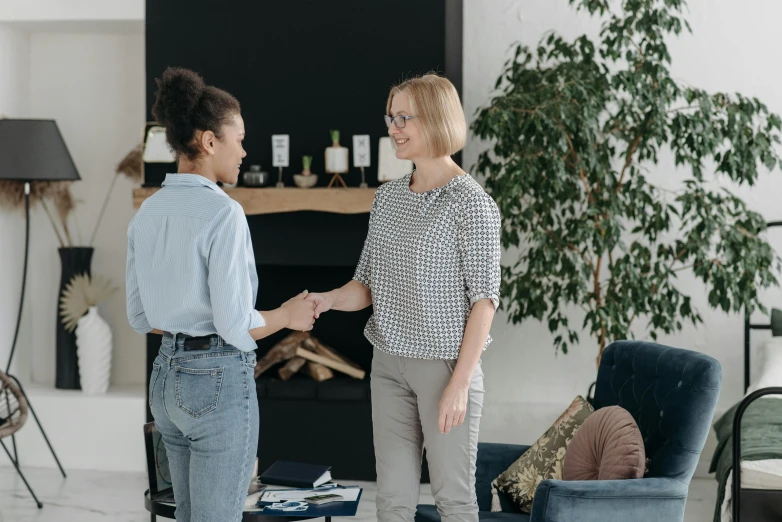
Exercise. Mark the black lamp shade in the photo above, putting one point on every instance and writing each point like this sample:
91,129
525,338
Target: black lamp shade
33,150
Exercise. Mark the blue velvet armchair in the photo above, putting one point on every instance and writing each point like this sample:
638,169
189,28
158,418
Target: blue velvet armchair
672,394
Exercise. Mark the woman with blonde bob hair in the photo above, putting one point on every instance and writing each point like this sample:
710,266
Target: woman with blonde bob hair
431,268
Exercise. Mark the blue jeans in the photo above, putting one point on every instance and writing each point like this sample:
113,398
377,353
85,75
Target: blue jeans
206,410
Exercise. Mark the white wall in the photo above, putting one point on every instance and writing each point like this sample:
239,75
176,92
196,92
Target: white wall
93,85
89,76
14,71
99,432
14,103
733,48
70,10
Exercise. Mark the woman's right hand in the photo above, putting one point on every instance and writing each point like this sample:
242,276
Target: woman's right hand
301,313
323,302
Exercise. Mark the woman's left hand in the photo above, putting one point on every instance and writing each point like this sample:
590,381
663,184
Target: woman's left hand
453,407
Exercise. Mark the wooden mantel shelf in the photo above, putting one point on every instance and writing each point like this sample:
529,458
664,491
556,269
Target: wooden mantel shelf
289,199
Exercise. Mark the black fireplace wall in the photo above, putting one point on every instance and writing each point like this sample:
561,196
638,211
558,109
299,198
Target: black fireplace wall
312,251
303,67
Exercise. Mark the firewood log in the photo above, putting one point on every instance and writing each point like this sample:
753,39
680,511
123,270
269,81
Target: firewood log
319,372
330,363
291,367
315,345
282,351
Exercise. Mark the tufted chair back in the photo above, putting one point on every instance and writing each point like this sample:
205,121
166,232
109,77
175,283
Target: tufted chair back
671,393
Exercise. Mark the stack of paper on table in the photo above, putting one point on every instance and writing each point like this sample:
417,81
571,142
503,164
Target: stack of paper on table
349,493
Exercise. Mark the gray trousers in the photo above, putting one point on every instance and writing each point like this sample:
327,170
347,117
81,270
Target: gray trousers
405,408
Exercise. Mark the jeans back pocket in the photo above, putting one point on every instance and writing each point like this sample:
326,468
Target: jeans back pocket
198,389
152,380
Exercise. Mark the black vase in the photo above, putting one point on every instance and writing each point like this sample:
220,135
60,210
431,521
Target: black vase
74,260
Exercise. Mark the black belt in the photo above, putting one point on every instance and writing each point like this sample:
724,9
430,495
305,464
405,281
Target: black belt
203,342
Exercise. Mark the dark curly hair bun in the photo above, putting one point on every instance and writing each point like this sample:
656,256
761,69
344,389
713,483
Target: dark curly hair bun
185,104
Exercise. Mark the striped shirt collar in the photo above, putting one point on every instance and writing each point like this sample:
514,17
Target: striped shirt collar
191,180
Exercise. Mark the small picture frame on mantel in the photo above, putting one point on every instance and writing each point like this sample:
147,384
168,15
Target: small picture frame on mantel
362,155
281,147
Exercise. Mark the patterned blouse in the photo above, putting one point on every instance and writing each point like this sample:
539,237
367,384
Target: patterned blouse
427,259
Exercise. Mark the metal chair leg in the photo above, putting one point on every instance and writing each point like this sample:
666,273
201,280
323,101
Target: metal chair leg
13,436
30,406
38,502
16,453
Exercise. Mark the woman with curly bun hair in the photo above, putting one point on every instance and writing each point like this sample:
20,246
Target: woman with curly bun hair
191,277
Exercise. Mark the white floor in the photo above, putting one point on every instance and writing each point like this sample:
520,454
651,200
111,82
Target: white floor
117,497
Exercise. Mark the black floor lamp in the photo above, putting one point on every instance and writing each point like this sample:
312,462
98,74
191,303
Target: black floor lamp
30,151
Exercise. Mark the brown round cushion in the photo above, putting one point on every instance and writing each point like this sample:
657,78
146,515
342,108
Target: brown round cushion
608,446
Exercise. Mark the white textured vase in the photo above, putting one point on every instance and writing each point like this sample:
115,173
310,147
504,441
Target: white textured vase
93,348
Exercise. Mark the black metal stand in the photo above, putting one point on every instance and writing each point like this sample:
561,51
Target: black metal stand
736,486
16,466
737,445
751,326
15,457
35,416
24,272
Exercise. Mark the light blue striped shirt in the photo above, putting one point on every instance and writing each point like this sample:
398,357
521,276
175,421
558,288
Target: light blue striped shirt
191,267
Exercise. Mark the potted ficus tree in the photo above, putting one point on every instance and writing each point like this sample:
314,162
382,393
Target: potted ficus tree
573,130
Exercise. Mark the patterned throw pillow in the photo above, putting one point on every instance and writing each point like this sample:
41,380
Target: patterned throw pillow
544,460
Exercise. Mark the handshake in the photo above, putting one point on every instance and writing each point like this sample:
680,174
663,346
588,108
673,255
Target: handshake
302,310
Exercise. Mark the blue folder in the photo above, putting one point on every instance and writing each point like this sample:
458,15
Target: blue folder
332,509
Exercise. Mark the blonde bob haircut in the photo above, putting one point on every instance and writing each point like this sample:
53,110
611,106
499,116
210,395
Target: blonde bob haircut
438,111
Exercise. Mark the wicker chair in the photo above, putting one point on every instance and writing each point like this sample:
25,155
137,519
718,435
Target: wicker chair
13,407
13,414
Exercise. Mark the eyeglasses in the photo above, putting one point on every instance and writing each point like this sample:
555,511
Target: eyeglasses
399,121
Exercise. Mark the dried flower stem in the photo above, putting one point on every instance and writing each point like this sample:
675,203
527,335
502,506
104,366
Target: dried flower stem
54,226
103,208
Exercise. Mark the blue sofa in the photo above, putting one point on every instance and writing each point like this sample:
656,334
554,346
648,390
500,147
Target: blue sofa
672,394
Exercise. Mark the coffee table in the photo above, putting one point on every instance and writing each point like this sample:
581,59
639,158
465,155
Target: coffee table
333,509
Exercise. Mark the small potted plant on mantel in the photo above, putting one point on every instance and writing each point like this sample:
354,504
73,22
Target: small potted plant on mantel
306,179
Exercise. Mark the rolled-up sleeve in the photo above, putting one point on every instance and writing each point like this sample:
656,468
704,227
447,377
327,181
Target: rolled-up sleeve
231,285
363,272
479,249
135,309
